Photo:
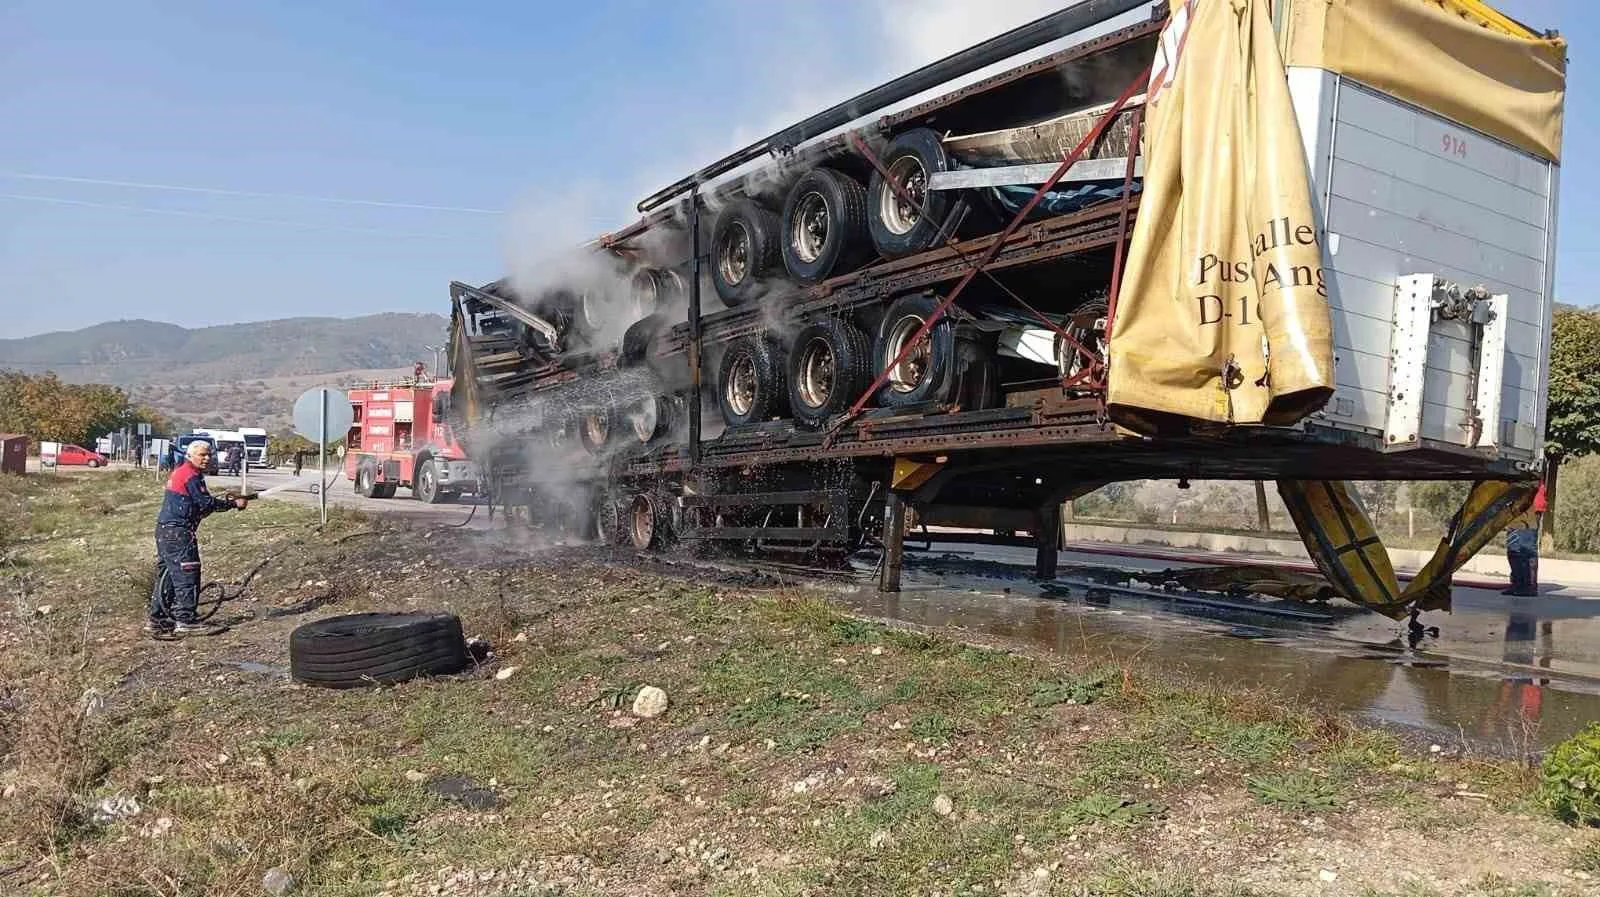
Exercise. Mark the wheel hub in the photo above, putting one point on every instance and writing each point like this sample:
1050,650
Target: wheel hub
741,388
817,373
898,215
809,233
733,257
908,374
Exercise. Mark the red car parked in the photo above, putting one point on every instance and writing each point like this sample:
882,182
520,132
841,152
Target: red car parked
74,455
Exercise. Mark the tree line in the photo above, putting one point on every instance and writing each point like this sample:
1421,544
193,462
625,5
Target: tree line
42,407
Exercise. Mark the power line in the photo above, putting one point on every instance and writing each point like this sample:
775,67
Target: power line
217,191
186,213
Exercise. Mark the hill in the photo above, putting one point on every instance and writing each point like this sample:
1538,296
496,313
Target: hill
232,374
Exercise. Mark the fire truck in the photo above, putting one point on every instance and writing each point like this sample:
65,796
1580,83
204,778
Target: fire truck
400,436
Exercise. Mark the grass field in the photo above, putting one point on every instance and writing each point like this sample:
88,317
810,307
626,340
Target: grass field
803,752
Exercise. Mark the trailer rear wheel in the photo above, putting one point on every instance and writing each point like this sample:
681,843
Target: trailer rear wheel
750,385
901,228
824,226
644,522
651,418
829,366
607,519
744,252
654,290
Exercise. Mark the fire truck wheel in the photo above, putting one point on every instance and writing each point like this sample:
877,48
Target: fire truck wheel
364,477
824,226
376,649
744,252
829,367
922,376
900,228
427,488
750,386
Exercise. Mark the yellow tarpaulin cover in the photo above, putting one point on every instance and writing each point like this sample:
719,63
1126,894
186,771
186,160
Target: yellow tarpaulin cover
1223,314
1457,58
1342,541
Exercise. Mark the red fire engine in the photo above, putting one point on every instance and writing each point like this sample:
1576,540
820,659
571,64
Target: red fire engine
399,436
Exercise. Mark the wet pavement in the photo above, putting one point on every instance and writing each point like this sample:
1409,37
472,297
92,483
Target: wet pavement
1506,675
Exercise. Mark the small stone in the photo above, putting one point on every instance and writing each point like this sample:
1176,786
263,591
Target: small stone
877,649
9,791
880,838
942,805
650,702
1434,749
415,776
505,673
44,610
1327,875
277,882
521,637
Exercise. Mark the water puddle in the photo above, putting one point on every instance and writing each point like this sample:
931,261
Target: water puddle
1505,675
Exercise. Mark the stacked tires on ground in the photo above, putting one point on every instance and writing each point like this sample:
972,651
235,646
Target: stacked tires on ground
831,224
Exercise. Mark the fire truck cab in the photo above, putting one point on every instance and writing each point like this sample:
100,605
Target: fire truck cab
399,436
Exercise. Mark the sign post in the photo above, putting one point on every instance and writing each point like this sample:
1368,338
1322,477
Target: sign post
322,414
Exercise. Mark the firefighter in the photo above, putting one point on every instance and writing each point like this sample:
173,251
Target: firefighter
1522,548
185,504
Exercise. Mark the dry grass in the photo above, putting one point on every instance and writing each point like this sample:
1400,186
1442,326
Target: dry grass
801,755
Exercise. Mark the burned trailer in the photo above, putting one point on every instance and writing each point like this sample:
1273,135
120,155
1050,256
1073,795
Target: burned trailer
1131,256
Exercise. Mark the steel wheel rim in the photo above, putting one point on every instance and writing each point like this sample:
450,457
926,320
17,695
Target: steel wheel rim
597,427
817,373
808,232
896,214
644,420
646,292
741,388
733,256
642,521
909,373
427,478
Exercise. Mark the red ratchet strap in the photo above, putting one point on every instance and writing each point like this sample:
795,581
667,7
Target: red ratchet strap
1122,221
994,249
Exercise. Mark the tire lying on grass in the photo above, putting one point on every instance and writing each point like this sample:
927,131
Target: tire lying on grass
376,649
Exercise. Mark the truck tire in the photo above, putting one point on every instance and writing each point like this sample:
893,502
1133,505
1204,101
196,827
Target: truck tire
651,418
750,383
824,226
899,229
607,519
383,490
425,488
656,290
924,374
829,367
596,427
353,650
365,476
646,523
744,252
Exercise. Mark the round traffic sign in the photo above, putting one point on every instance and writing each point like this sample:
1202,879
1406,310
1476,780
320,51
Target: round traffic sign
308,414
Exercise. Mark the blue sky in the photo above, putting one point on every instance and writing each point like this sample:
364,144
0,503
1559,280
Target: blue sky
563,113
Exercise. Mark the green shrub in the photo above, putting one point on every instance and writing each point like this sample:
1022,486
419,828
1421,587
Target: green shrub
1569,785
1578,505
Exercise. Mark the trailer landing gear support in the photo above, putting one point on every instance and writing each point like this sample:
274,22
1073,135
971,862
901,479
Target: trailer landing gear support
894,542
1047,542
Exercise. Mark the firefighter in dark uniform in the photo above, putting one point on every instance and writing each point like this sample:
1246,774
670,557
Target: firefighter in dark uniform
185,504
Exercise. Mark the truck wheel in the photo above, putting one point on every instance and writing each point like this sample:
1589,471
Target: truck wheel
829,366
651,418
744,252
824,226
595,427
426,488
656,290
383,490
644,522
750,384
364,478
899,228
353,650
922,376
607,519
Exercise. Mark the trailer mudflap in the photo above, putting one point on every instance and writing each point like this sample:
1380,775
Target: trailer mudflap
1342,541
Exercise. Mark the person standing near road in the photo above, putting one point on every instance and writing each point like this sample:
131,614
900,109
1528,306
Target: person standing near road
185,503
1522,548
